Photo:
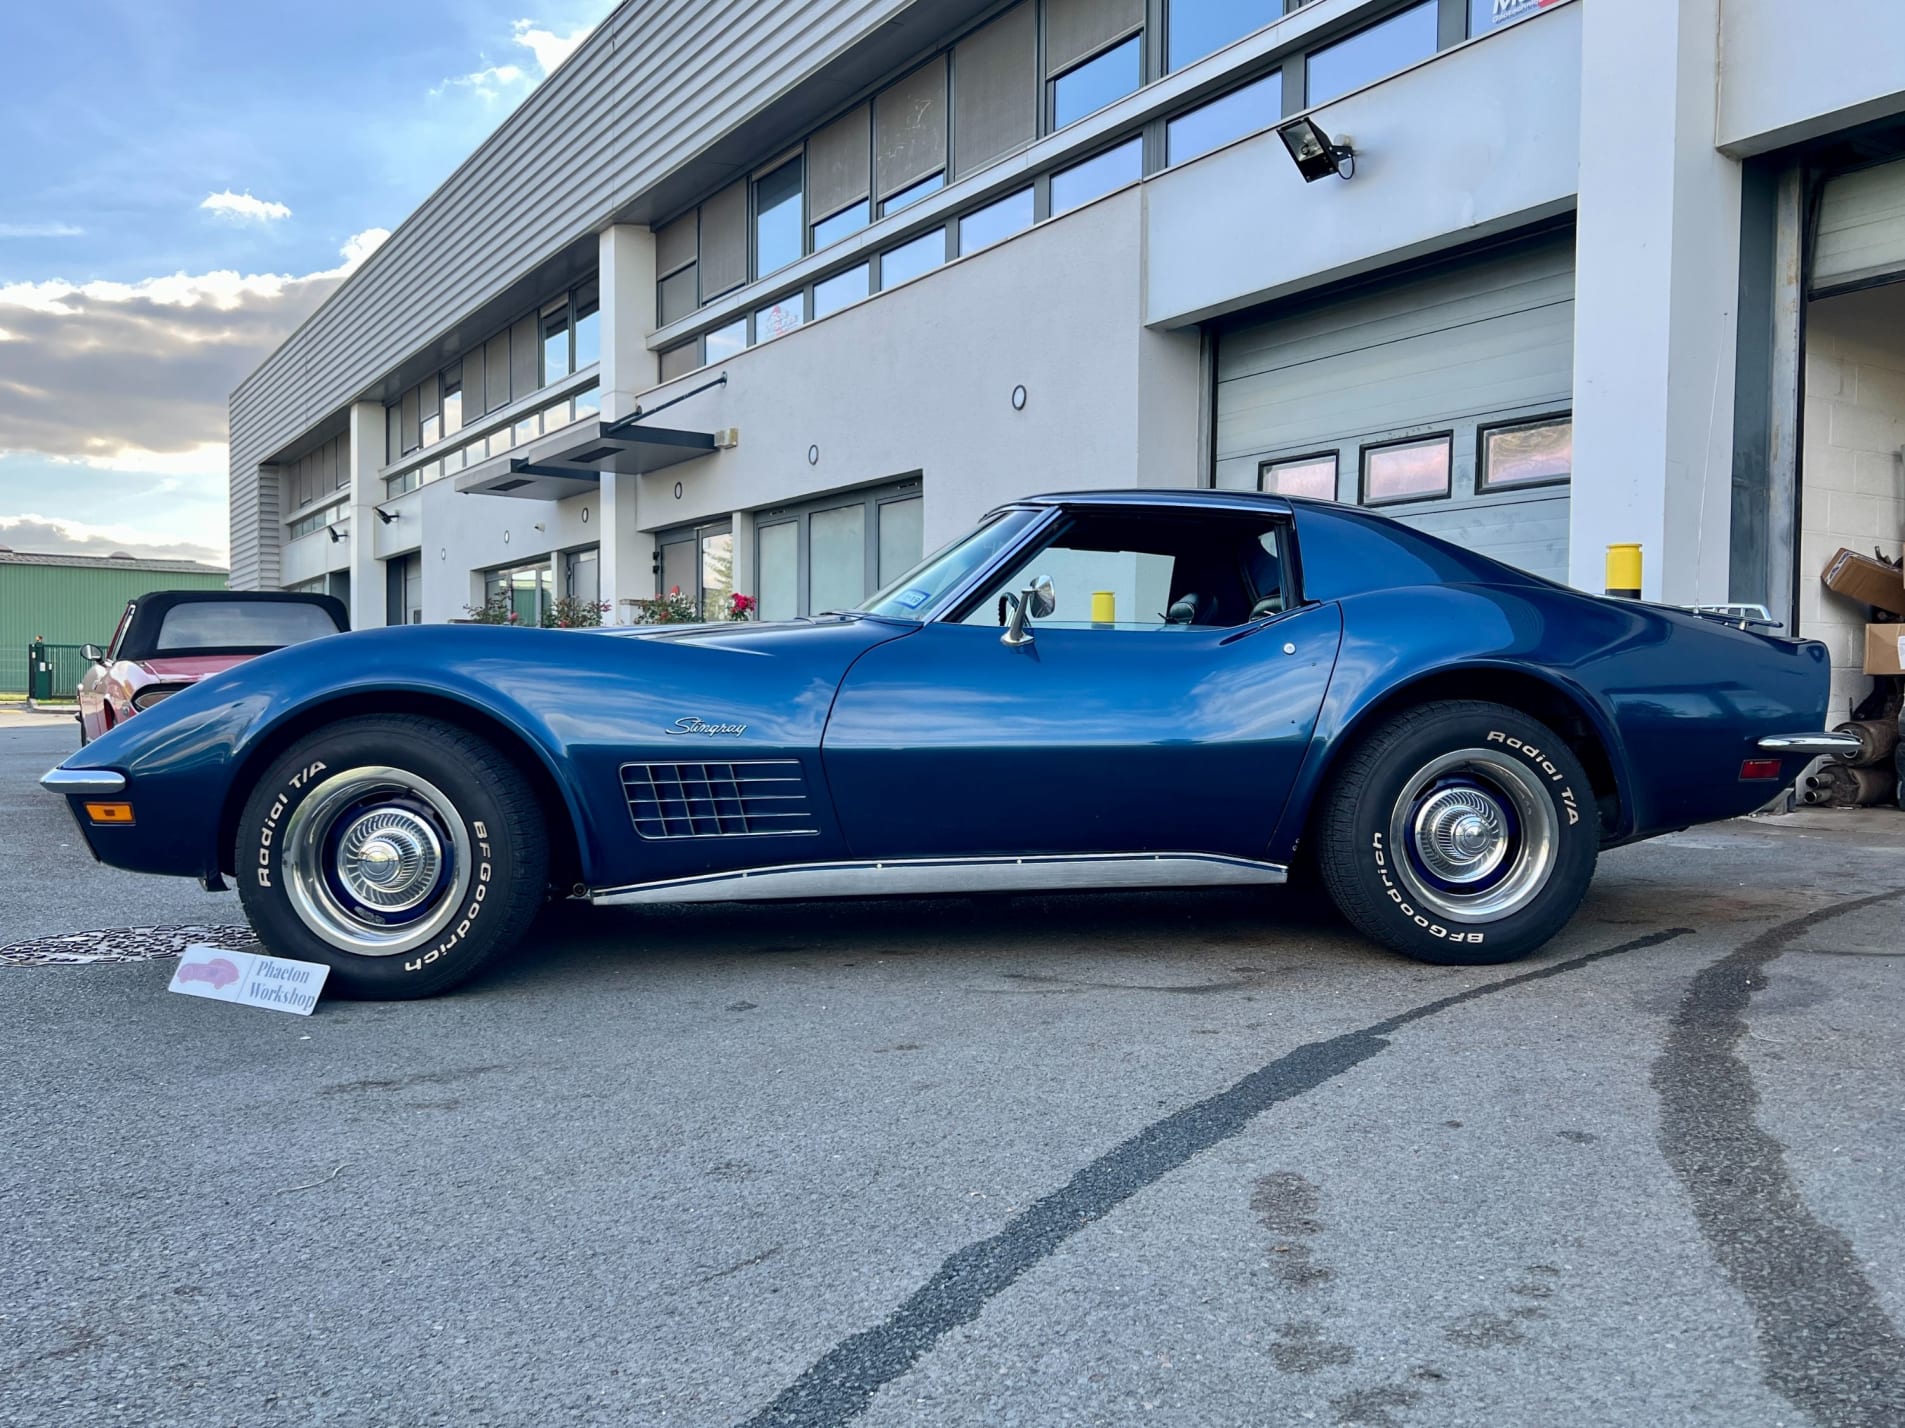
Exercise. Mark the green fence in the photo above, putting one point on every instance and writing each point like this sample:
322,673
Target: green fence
53,672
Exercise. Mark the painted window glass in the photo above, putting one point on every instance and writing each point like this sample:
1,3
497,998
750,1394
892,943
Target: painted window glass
781,316
1257,106
1311,476
1486,15
1099,81
1527,454
1370,54
836,577
1407,470
777,570
902,528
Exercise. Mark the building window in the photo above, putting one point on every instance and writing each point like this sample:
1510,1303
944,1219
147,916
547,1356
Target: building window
832,294
995,222
1257,106
1195,28
317,521
1413,470
907,197
831,553
777,219
911,260
452,399
588,325
681,359
1099,81
781,316
843,224
555,342
1098,176
582,575
1486,15
523,590
1368,55
698,562
1311,476
1532,453
724,342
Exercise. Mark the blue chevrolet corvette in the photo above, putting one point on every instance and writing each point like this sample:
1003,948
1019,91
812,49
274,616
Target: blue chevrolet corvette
1133,689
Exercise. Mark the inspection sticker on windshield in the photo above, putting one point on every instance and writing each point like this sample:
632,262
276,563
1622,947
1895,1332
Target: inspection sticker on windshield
912,599
274,983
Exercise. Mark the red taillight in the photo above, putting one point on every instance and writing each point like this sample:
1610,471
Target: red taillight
1755,769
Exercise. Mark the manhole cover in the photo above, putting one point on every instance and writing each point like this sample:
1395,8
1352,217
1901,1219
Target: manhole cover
122,944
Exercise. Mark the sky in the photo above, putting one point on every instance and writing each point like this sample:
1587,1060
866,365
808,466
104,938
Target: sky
181,183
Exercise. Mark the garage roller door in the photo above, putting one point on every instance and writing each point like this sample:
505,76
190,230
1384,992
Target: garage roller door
1452,385
1860,236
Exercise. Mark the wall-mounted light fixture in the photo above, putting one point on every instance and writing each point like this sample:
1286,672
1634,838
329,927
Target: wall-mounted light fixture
385,516
1315,154
335,537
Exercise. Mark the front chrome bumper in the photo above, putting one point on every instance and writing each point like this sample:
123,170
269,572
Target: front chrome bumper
1810,745
75,783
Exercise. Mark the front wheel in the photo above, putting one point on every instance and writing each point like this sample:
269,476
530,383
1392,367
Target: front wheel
1459,833
401,852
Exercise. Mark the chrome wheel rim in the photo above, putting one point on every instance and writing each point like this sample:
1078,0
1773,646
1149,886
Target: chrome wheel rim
376,861
1478,835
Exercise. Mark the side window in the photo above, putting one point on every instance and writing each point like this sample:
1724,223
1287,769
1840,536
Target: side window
119,634
1120,571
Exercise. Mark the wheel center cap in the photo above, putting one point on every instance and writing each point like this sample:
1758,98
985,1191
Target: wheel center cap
1461,835
389,858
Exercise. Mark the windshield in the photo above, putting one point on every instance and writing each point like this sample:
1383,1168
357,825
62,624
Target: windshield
909,597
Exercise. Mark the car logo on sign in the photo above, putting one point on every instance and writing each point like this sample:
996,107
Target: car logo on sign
693,725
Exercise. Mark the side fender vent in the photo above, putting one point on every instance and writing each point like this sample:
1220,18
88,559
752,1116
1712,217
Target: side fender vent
754,799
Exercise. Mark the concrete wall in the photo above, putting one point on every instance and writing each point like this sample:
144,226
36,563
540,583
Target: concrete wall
1796,69
1477,141
1853,479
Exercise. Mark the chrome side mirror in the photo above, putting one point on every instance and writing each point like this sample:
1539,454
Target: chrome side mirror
93,653
1037,603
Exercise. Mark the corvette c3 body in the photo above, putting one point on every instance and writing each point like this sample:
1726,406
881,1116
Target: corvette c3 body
1129,689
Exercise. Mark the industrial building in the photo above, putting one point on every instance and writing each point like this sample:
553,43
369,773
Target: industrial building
769,297
66,601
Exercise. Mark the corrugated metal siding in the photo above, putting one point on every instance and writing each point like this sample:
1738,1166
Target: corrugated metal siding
1470,343
67,605
658,82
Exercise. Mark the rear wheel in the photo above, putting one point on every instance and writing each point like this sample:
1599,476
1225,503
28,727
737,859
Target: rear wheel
403,853
1459,833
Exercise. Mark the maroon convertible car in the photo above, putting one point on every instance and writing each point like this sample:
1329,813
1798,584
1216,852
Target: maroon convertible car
172,638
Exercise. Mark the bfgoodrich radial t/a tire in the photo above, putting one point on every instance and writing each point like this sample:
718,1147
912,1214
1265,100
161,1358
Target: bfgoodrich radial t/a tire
401,852
1459,833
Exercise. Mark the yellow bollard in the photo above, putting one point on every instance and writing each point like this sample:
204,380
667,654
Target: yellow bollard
1104,607
1623,571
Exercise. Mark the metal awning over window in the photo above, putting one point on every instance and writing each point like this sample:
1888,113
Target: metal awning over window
571,463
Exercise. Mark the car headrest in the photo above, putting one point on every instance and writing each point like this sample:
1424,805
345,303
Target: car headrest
1186,609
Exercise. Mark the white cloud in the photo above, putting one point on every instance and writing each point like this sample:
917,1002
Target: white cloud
360,246
55,535
40,230
496,81
549,48
243,208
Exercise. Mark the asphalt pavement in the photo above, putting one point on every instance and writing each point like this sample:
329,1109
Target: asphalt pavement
1175,1159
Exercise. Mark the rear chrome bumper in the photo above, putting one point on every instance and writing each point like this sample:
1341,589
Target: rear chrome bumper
1811,745
79,782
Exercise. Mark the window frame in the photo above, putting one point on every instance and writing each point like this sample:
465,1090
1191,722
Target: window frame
1445,435
800,513
1335,455
1483,429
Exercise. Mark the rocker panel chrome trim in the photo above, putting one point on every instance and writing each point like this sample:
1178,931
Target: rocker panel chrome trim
891,876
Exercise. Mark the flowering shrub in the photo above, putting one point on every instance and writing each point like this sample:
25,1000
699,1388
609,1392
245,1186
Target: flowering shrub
674,608
742,607
497,611
569,613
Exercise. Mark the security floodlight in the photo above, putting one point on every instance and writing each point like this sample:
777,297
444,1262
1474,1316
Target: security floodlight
335,537
385,516
1315,154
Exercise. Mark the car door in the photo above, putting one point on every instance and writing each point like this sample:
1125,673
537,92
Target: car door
93,684
1132,733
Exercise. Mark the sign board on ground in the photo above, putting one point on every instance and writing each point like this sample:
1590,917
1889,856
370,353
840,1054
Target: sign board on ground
250,979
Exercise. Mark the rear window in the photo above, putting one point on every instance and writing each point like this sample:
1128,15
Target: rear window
240,625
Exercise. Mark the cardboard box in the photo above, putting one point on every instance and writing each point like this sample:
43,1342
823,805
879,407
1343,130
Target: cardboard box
1885,649
1860,577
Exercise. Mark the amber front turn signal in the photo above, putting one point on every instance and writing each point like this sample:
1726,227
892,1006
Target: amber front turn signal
109,812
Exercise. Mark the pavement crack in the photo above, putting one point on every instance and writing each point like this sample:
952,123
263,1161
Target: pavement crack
1826,1343
840,1385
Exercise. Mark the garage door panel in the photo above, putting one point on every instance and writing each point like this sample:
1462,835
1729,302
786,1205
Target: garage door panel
1484,339
1511,284
1520,361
